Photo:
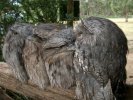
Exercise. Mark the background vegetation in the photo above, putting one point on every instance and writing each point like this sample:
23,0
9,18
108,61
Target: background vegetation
106,8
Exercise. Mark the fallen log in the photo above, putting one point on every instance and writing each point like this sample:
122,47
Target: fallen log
8,81
4,96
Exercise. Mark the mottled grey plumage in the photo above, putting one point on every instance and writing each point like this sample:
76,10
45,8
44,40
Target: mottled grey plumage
34,65
51,43
93,56
57,55
100,44
33,54
88,88
13,48
41,53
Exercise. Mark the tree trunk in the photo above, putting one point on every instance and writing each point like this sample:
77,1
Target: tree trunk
70,13
126,14
126,18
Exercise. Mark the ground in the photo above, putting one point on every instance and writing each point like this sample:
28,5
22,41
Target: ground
127,27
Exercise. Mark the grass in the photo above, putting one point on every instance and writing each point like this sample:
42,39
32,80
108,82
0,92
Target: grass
127,27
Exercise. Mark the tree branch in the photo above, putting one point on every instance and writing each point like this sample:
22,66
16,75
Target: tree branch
8,81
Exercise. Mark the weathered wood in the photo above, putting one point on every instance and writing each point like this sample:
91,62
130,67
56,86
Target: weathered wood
8,81
4,96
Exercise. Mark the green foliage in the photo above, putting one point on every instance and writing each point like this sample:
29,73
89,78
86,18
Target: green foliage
40,10
31,11
106,8
7,17
120,6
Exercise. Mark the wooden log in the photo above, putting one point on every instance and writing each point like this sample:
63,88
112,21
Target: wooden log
8,81
4,96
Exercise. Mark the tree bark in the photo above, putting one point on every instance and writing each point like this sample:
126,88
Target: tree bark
8,81
4,96
126,17
70,12
126,14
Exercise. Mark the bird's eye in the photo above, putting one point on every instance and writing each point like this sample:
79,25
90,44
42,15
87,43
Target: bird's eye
15,33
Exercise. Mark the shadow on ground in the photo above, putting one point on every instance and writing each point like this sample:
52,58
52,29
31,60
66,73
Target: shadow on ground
128,93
